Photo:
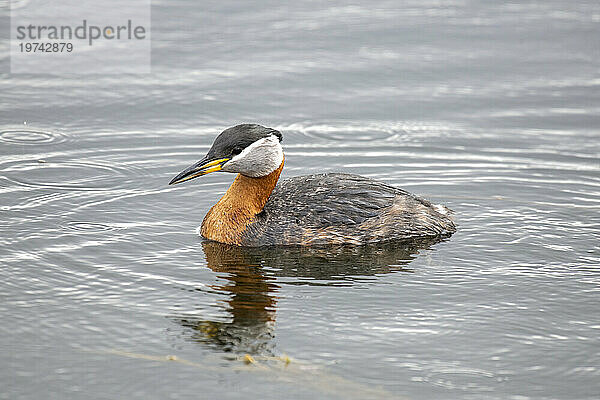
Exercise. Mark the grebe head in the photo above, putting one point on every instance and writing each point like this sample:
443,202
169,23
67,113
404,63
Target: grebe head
247,149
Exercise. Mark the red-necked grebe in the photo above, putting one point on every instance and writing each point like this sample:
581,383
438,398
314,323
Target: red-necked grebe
304,210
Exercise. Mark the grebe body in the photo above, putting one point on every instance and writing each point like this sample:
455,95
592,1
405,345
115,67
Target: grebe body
315,209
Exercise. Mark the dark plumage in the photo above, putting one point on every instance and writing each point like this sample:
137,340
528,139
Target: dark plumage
343,208
235,139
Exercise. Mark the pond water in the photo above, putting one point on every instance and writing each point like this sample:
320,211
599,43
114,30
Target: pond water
107,292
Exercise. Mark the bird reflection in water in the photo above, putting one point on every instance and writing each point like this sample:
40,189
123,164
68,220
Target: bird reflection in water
251,284
251,304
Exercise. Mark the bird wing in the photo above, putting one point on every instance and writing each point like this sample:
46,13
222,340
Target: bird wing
328,199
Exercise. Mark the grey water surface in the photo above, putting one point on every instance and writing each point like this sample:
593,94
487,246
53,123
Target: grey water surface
491,108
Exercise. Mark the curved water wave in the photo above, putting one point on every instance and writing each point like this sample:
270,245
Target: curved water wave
89,227
31,136
40,200
72,175
364,132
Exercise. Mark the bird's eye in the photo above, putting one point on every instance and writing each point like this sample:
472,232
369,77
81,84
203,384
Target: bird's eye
236,150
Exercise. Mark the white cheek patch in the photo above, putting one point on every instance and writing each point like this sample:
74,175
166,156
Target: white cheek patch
259,159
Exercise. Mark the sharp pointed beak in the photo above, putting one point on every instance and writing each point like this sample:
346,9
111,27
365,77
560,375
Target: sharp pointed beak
203,167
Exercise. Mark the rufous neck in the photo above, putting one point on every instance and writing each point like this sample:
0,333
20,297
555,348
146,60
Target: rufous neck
227,220
252,193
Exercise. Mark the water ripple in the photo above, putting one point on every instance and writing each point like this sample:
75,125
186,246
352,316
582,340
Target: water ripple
31,136
72,175
89,227
362,132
